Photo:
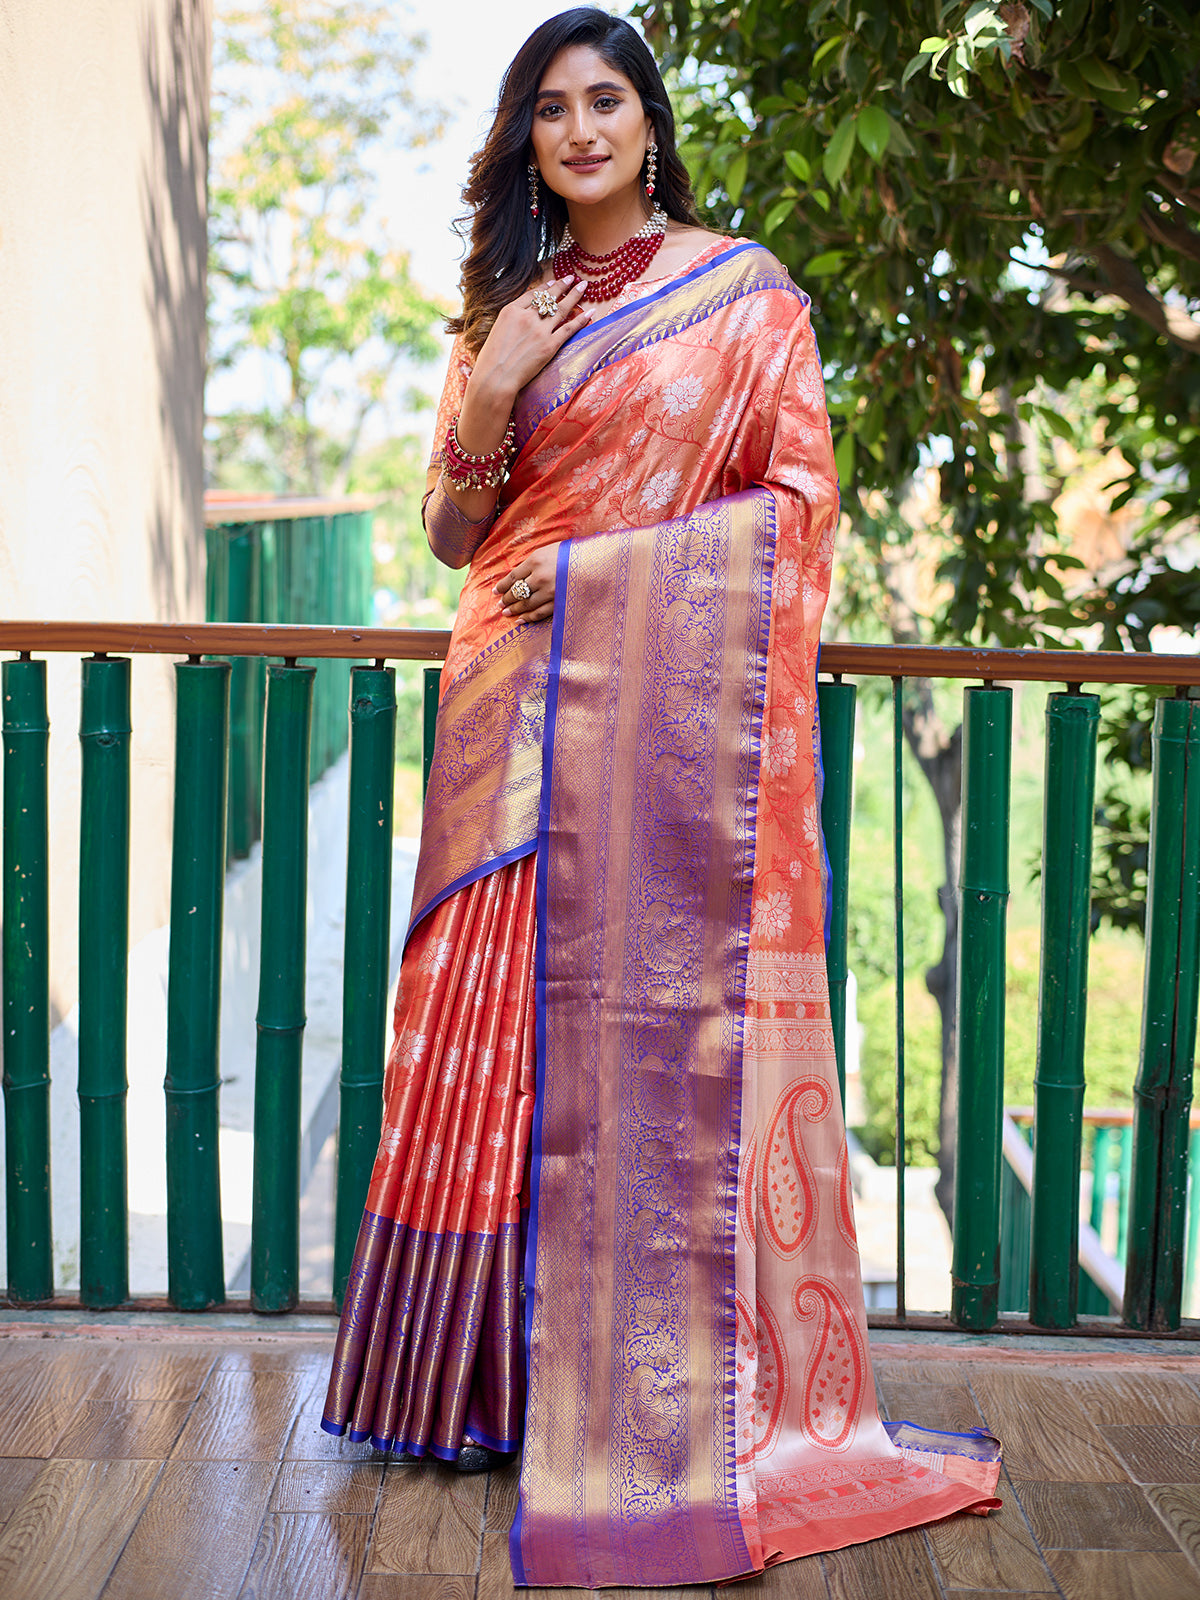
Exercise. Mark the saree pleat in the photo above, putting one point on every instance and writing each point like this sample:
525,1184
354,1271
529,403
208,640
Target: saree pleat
424,1295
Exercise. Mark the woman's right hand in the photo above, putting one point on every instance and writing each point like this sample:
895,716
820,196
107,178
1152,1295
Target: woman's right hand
517,348
522,341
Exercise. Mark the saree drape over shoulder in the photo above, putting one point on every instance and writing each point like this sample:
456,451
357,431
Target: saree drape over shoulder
614,991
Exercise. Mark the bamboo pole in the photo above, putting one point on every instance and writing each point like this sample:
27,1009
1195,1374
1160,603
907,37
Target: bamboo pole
983,897
105,732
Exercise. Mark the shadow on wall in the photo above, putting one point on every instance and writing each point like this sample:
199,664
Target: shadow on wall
174,210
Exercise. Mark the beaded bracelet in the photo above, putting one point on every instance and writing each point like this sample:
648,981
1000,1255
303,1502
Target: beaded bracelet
463,470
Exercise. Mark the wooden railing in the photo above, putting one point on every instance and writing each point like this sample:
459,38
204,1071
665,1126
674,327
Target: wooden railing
1161,1094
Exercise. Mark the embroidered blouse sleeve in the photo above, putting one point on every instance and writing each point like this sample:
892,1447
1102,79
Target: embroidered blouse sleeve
453,538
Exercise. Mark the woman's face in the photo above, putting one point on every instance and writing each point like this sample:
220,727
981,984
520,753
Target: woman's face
590,133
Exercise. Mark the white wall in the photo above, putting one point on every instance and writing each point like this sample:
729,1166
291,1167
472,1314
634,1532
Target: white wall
103,140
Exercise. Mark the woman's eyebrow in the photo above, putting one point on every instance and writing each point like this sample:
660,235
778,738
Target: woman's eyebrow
592,88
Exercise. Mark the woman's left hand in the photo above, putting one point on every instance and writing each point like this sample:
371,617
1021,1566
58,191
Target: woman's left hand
537,571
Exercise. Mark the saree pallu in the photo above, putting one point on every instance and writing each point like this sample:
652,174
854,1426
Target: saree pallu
636,787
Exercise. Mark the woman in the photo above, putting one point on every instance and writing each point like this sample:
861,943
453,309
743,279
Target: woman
615,973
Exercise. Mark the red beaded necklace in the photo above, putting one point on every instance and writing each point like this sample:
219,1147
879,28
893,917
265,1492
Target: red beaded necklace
607,275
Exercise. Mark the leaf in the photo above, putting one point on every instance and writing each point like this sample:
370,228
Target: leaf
1057,424
843,458
1102,76
797,165
830,44
839,150
978,17
899,138
933,46
821,196
779,212
1045,8
1076,136
913,67
825,265
874,131
735,178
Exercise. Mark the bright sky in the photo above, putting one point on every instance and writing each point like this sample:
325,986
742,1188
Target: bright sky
470,44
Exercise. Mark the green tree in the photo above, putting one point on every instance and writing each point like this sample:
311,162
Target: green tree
994,207
304,92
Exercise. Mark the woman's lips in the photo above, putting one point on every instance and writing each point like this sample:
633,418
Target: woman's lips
585,163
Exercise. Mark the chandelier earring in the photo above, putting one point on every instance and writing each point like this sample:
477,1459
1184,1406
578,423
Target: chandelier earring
651,169
533,190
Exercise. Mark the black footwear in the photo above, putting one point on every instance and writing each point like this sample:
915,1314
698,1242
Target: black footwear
478,1458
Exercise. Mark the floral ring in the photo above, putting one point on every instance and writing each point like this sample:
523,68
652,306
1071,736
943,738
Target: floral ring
544,303
521,589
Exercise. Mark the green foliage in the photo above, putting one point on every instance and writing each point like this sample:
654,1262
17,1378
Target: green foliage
912,211
994,207
298,268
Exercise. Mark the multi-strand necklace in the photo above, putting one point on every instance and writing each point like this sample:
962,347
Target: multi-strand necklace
607,275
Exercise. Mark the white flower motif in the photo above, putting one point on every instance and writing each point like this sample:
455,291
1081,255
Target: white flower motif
585,479
785,581
747,315
811,386
730,407
777,359
500,1091
410,1048
433,1158
779,752
390,1142
435,957
497,1140
772,915
546,458
487,1062
469,1157
682,395
487,1187
808,822
599,392
799,477
661,488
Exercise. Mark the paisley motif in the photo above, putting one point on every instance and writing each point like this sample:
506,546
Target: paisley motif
789,1194
747,1207
837,1364
762,1380
844,1204
650,1410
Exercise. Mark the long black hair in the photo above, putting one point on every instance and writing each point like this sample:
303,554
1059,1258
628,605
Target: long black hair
507,243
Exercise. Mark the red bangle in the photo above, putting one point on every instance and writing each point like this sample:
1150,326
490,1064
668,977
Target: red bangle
463,470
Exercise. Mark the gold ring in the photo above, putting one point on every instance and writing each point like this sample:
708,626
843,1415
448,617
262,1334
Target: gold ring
544,303
521,589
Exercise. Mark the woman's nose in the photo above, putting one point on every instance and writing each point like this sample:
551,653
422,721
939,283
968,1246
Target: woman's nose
582,131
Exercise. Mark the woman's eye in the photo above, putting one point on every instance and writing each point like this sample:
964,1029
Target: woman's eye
550,110
606,103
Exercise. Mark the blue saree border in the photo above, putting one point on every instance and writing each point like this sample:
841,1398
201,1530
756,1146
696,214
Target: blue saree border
483,870
566,378
553,681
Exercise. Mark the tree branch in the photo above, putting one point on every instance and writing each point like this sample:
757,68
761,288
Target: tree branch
1170,233
1126,283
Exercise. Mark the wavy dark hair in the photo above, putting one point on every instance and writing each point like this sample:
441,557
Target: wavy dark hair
507,243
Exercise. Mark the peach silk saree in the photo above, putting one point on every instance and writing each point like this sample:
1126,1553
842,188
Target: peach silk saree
611,1214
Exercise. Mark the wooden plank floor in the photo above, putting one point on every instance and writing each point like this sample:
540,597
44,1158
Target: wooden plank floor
165,1464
